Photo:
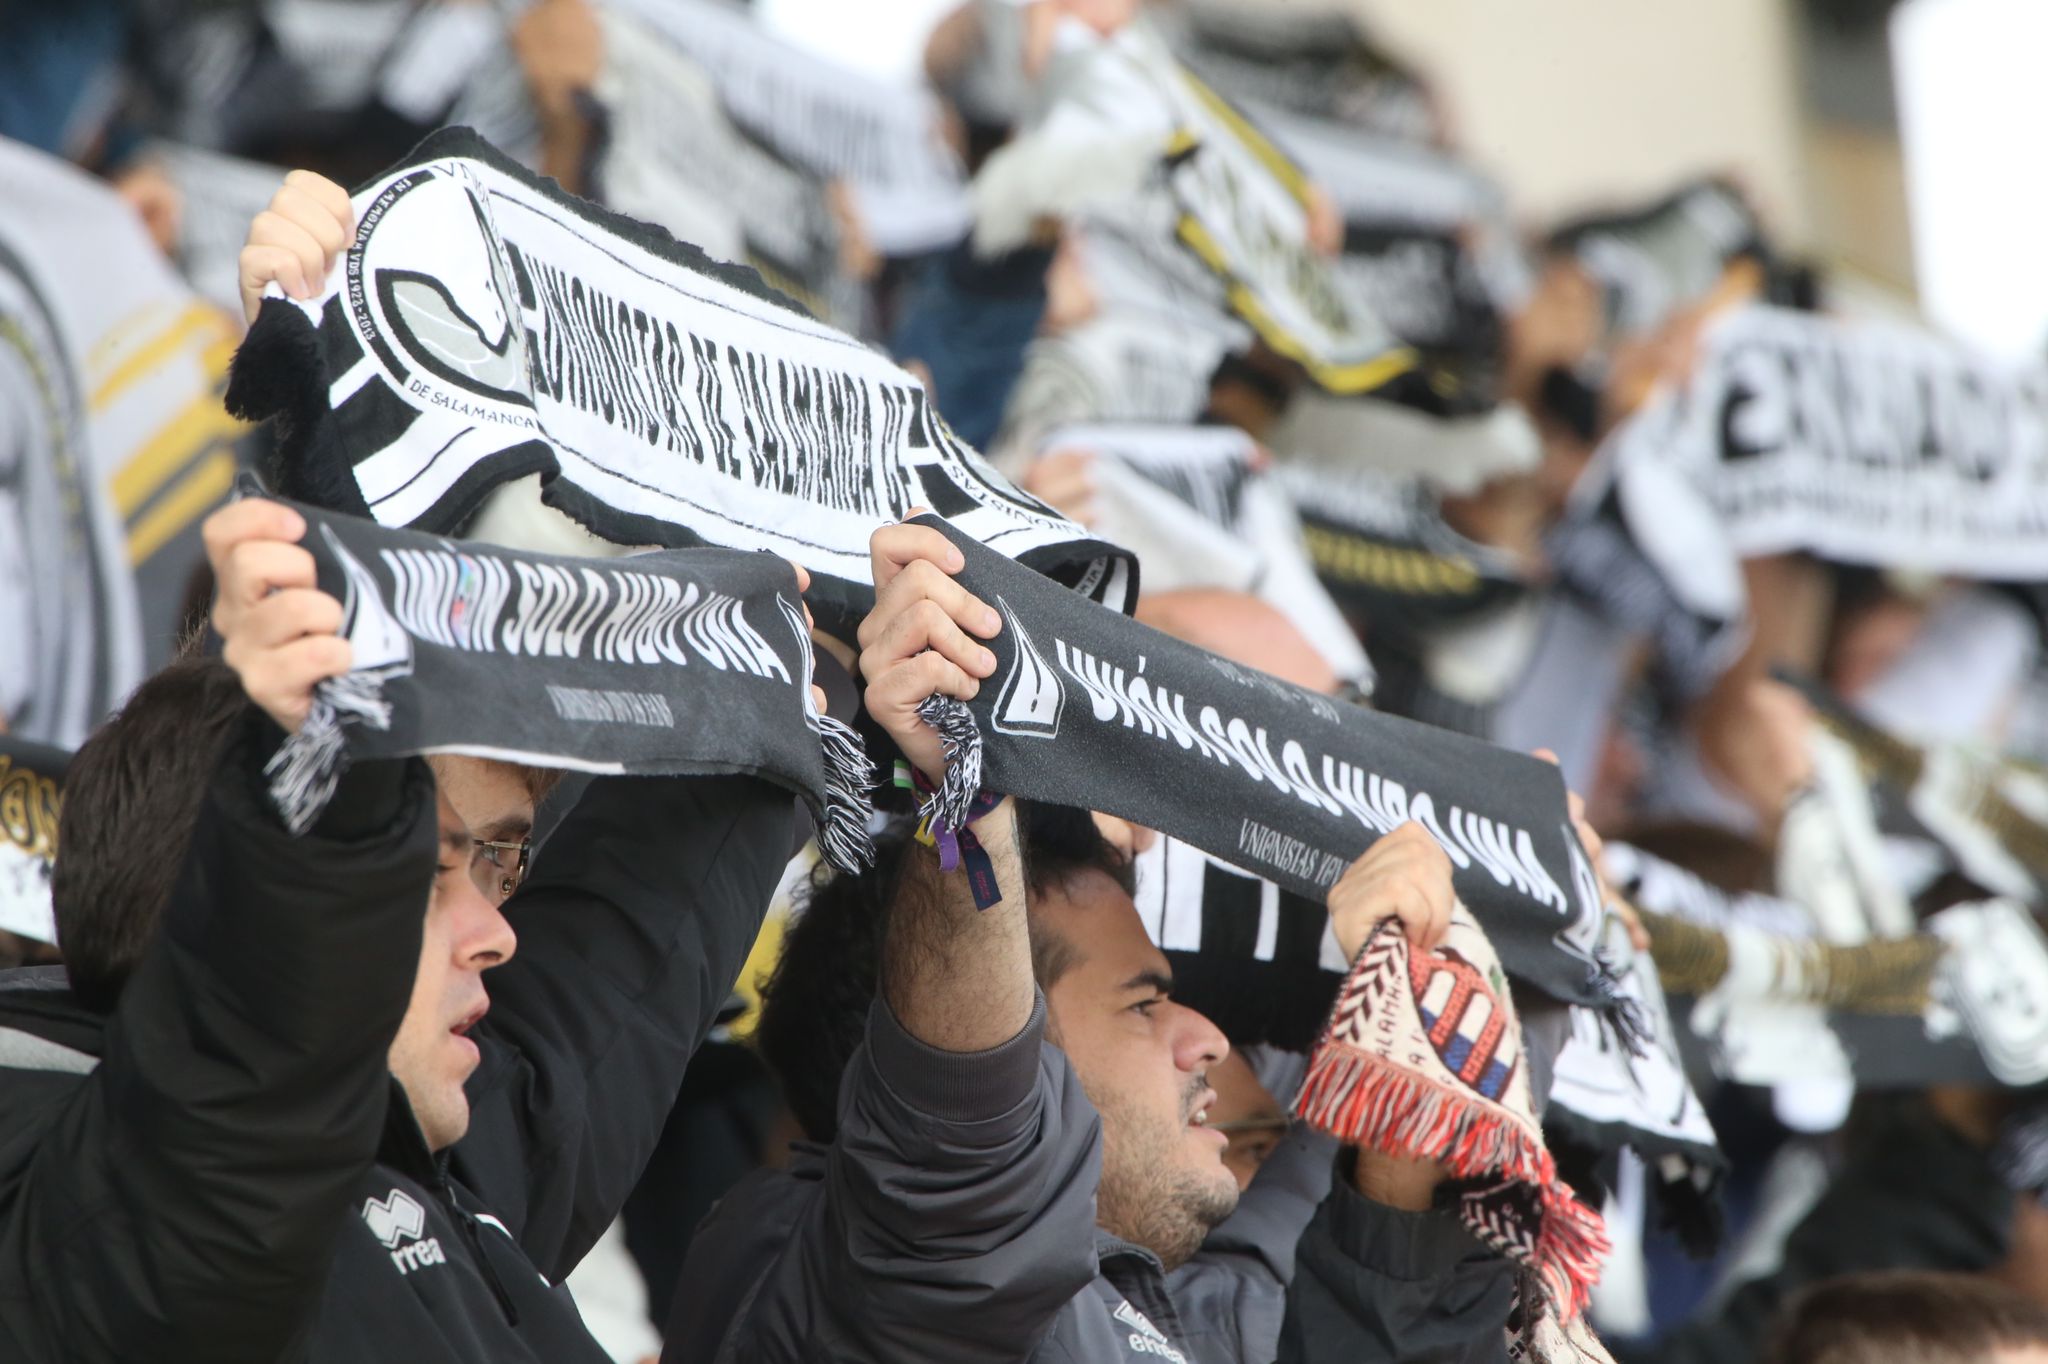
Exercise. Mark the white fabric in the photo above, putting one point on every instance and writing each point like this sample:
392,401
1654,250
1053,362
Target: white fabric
612,1299
885,140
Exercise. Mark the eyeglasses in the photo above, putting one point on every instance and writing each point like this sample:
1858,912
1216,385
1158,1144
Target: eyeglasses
498,867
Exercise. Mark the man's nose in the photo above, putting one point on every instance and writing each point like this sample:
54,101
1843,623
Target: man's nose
486,938
1198,1044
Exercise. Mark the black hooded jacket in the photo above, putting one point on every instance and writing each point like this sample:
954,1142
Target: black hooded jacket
225,1170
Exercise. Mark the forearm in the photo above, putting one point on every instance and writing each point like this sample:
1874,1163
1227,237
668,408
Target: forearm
958,977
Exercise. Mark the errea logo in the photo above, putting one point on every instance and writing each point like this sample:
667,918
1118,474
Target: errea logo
398,1219
1145,1338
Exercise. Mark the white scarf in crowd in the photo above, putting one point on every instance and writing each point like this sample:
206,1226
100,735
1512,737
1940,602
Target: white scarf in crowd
485,326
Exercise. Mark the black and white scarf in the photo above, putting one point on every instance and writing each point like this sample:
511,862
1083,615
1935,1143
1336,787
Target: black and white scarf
1641,552
673,158
1091,709
680,661
1128,131
1381,547
1775,1004
1308,60
1428,244
31,800
885,141
485,326
1650,261
1860,442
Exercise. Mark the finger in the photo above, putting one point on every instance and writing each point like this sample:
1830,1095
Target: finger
304,210
921,580
899,690
330,196
891,549
818,697
803,578
927,626
285,616
276,230
252,518
281,680
256,568
259,266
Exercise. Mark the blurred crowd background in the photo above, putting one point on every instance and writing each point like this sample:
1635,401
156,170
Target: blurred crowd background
1564,214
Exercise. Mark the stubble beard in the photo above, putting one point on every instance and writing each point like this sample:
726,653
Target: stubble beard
1148,1195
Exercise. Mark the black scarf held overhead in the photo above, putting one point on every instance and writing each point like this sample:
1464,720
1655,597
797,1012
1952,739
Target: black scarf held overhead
680,661
1089,708
485,326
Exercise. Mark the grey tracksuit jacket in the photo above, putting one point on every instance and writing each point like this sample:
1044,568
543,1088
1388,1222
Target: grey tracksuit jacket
953,1220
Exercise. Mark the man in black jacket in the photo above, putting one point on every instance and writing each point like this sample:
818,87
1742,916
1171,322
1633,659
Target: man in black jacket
290,1130
1020,1157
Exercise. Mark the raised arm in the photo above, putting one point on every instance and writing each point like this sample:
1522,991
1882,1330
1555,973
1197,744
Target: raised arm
187,1199
1379,1273
957,1208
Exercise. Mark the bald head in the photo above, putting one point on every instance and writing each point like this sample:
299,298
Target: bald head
1241,628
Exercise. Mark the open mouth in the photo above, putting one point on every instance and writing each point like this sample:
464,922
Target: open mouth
470,1020
1200,1116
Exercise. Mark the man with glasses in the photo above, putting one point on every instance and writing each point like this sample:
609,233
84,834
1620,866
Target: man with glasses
321,1098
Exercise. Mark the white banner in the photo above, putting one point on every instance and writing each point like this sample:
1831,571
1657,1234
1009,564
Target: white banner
1866,443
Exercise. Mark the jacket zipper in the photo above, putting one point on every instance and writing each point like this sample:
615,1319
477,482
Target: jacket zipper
446,1194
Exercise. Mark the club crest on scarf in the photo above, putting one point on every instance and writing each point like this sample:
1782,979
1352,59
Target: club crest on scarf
1422,1059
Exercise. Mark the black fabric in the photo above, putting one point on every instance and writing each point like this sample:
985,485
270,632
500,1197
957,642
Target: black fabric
683,661
1091,709
242,1097
244,1070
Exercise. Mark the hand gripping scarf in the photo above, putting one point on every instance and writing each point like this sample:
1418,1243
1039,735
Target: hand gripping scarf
1089,708
486,326
1422,1059
681,661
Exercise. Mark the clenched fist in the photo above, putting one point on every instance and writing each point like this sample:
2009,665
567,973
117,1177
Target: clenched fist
1405,876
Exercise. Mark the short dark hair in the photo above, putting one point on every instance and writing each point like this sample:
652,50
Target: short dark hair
132,797
814,1007
1905,1317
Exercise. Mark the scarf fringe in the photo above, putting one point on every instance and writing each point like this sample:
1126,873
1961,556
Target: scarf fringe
1623,1012
849,806
1363,1100
1368,1101
960,738
309,764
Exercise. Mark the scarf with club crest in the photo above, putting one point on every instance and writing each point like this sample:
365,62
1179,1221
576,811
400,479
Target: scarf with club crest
485,326
1422,1060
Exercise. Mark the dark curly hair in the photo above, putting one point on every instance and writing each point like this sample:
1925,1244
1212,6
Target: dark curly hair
814,1008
